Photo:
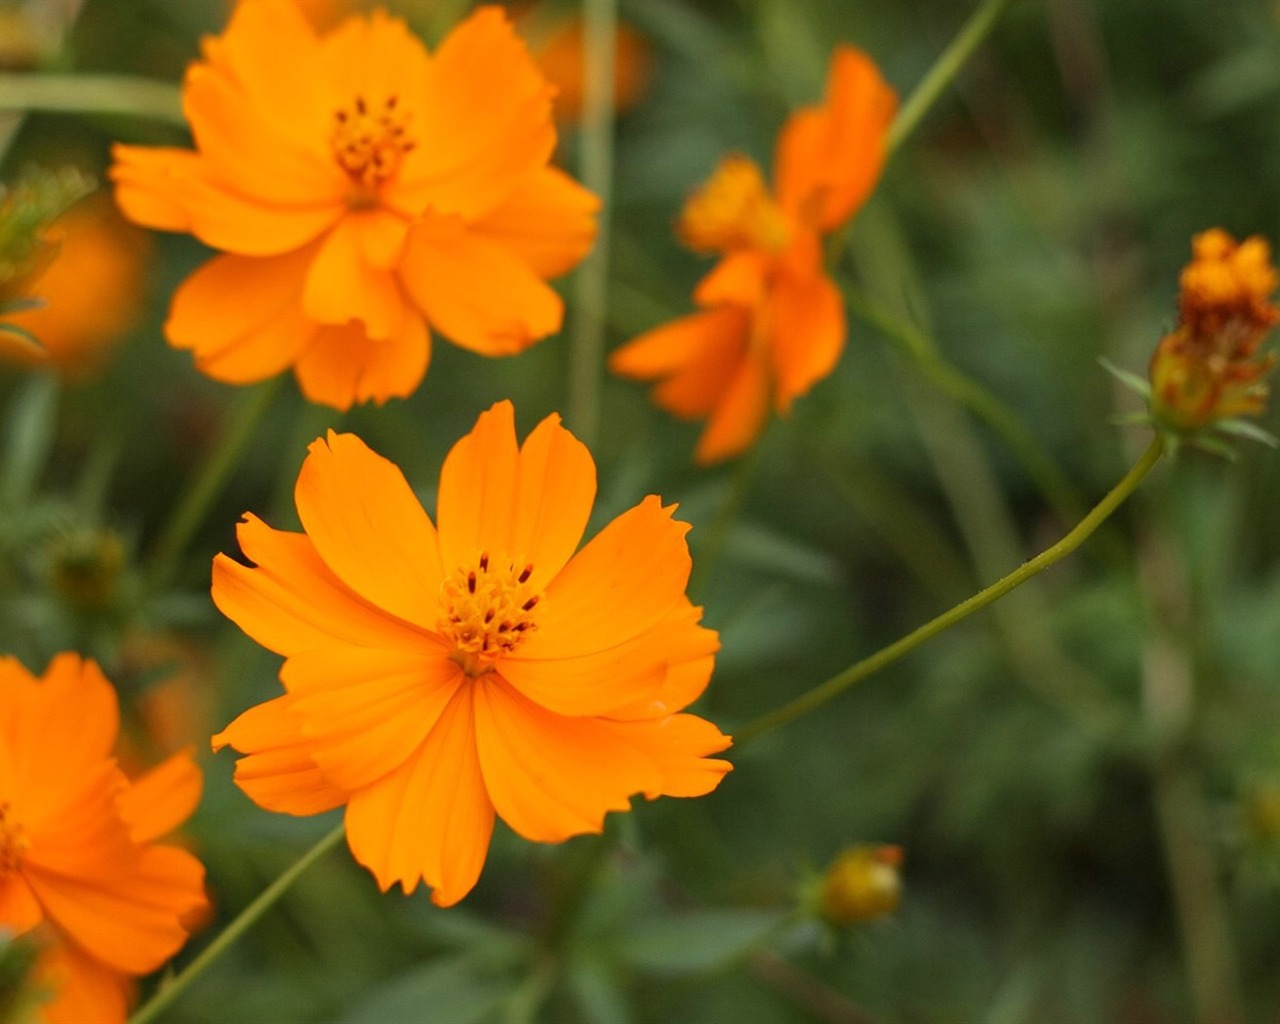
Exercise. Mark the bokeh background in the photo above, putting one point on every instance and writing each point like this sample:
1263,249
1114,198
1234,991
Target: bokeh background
1085,779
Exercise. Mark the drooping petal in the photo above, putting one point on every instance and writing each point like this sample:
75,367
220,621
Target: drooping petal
293,602
740,415
808,334
242,316
369,528
343,365
162,799
342,285
487,112
552,777
740,279
679,746
365,712
431,819
549,221
279,773
475,291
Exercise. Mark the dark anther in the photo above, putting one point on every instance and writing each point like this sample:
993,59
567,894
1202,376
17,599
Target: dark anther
528,571
528,605
484,562
471,583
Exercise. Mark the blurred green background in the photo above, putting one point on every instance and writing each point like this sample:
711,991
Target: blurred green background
1085,779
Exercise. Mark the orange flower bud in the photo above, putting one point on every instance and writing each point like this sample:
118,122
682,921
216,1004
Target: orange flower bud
861,884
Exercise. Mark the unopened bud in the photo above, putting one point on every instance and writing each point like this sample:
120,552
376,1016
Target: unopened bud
862,883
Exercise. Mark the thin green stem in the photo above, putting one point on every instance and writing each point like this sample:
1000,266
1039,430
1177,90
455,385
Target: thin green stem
170,991
944,71
841,681
244,419
92,94
600,24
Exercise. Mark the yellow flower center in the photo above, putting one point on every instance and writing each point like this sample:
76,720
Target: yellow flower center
13,841
488,612
733,210
369,142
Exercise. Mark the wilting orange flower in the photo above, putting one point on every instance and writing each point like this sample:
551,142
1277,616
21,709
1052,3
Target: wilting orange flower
437,676
79,865
773,322
362,191
1208,368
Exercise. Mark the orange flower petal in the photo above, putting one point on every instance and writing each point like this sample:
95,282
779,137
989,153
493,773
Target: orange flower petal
740,415
278,774
488,99
740,278
342,286
369,528
149,184
549,221
477,489
19,909
293,602
162,799
431,819
343,365
477,292
365,712
552,777
679,745
242,316
82,988
808,335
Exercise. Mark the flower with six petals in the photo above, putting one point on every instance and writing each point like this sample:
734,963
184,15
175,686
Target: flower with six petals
437,675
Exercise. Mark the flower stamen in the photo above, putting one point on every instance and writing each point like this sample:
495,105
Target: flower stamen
733,210
13,841
369,143
487,612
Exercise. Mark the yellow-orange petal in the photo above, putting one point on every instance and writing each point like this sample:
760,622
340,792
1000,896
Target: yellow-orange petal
278,773
475,291
81,988
739,416
809,326
740,278
149,182
364,712
552,777
369,528
532,504
485,97
242,316
19,909
430,819
829,158
342,285
342,365
548,221
679,746
159,801
293,602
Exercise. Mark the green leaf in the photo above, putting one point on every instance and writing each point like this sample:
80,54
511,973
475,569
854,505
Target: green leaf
32,421
698,941
452,991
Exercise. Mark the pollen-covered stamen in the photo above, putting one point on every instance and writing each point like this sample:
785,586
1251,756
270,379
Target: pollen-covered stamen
13,841
370,140
488,611
733,210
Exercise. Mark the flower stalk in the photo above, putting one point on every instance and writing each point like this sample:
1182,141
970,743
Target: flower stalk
92,94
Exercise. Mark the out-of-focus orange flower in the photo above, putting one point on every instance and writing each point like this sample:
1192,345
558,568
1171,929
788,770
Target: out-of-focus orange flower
1208,368
79,865
362,191
92,291
436,677
555,40
773,322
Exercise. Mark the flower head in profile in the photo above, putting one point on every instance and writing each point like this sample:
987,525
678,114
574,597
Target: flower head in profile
439,675
363,193
80,869
1208,370
772,321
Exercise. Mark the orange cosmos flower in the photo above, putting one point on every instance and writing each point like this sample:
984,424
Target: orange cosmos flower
79,865
773,322
362,191
436,677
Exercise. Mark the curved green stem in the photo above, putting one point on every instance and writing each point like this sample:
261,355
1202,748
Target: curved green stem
170,990
92,94
841,681
245,418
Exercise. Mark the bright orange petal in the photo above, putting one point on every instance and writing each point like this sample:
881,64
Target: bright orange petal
83,989
242,316
808,335
278,774
740,415
149,184
369,528
740,278
555,489
549,221
477,489
19,909
342,286
431,819
475,291
487,114
292,601
679,745
343,365
162,799
552,777
364,712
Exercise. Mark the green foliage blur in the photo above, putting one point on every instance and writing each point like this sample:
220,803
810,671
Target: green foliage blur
1084,779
